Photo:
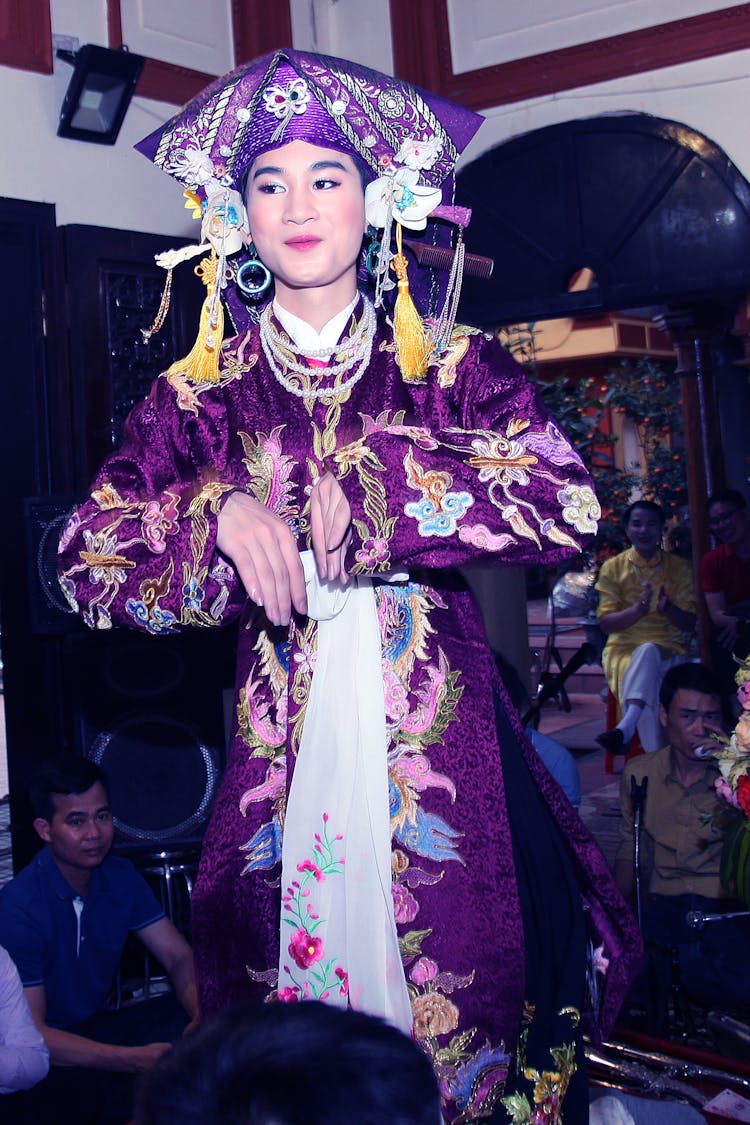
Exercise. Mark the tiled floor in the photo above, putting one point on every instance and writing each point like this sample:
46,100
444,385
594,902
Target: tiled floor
577,730
578,727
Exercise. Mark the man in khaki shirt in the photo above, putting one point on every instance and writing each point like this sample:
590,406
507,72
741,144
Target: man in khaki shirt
682,829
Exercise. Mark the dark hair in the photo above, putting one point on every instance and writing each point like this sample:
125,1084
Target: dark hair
62,776
291,1064
689,677
647,506
726,496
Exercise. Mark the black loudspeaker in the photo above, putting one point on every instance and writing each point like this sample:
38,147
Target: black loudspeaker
45,519
150,711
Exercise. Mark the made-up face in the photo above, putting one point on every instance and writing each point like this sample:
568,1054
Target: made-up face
80,833
691,721
644,530
306,213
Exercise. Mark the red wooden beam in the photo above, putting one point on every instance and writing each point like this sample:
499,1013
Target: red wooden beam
422,54
26,35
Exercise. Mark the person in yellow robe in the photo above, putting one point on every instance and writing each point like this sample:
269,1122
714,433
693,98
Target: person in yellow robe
647,609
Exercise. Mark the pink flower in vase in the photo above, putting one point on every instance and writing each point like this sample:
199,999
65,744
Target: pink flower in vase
743,694
725,791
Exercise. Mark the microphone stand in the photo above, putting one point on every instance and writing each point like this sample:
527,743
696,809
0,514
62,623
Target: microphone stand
638,800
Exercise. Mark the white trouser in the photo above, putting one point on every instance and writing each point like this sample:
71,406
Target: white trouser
641,684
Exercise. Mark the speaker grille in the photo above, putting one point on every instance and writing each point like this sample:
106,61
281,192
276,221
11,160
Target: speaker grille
162,776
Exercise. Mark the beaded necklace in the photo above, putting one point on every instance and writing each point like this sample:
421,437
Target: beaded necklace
357,350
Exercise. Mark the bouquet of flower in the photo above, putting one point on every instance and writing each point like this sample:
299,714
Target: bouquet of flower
733,786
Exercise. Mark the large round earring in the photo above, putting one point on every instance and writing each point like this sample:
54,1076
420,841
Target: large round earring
253,277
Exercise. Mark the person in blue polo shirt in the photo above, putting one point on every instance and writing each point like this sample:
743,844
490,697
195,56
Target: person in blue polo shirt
64,919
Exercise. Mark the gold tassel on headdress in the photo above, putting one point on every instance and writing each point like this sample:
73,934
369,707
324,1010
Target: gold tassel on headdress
201,365
412,344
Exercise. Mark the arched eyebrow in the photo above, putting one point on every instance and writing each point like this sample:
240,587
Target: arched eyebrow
268,170
321,165
318,166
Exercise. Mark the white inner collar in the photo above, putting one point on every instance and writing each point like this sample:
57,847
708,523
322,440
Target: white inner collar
308,340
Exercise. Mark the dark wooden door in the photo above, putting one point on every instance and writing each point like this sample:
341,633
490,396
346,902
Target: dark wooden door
32,461
75,364
113,288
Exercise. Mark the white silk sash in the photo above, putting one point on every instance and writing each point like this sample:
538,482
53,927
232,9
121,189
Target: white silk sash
338,931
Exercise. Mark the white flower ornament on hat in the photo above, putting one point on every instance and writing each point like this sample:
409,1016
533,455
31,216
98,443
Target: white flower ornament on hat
225,224
193,167
418,154
399,193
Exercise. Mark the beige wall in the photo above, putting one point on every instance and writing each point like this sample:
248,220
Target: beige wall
113,186
709,95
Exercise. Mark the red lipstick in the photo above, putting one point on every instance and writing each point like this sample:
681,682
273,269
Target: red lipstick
303,242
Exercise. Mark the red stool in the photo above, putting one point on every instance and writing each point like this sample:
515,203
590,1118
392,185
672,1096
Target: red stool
635,745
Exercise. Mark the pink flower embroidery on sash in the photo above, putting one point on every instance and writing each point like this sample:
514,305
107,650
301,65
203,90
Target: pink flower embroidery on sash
319,976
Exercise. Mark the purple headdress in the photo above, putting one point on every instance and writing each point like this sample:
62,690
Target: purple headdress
409,141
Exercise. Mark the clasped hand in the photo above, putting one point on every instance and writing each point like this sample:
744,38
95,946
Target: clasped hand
265,554
644,602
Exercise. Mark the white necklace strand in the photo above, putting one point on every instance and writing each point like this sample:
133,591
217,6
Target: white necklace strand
351,346
275,349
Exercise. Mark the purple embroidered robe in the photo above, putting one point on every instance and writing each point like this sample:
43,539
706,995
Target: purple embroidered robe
463,467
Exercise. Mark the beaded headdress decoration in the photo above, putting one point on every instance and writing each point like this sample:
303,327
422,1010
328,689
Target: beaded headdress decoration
407,139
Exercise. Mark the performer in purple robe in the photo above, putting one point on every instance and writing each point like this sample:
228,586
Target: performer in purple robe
384,835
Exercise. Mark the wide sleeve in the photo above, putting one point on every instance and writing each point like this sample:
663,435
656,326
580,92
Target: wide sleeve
141,550
24,1058
484,474
609,588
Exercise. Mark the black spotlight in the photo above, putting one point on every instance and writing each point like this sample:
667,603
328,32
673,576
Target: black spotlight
99,93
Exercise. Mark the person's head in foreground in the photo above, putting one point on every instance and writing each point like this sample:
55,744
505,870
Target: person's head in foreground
292,1064
70,800
691,712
